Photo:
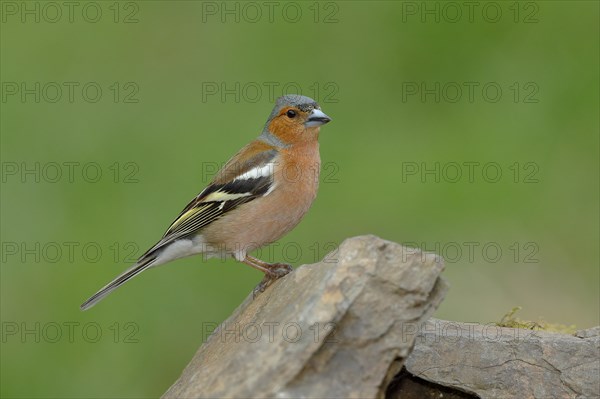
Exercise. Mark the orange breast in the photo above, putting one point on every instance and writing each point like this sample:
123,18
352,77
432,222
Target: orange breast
266,219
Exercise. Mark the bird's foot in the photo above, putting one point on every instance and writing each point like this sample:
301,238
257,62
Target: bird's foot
279,270
276,271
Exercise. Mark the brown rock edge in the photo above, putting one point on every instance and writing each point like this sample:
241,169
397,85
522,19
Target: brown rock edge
345,328
342,327
497,362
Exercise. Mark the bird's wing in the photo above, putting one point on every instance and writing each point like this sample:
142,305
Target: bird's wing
237,183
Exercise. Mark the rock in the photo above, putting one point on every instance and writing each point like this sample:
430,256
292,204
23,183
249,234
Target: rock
408,386
589,333
342,327
496,362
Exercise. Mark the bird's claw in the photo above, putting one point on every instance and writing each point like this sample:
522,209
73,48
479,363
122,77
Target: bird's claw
279,270
276,271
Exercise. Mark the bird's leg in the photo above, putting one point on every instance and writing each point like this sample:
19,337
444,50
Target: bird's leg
272,271
276,269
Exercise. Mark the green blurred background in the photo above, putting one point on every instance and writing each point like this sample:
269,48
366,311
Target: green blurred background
179,96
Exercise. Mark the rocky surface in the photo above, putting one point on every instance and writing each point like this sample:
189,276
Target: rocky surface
339,328
496,362
345,328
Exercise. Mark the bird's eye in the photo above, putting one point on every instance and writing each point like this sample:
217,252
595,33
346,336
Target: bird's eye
291,113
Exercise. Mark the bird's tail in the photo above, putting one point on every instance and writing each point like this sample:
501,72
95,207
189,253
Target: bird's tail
130,273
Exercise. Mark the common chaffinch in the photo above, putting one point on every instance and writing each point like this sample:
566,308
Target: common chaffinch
257,197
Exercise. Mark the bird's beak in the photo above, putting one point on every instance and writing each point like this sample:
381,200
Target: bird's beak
316,118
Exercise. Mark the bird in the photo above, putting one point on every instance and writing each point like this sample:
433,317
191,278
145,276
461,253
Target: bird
256,198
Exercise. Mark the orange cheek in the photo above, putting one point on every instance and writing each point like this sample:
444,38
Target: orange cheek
283,129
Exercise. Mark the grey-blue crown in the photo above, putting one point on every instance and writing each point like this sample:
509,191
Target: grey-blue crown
303,103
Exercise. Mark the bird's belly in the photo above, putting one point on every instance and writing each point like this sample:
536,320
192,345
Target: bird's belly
264,220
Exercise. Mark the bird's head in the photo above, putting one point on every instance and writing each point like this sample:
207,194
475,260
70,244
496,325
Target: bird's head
294,119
